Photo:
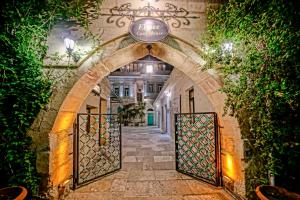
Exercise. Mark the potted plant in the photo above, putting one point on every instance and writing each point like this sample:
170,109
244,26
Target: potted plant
268,192
124,114
16,193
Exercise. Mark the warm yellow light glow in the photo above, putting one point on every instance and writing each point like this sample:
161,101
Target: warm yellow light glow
63,122
229,166
61,162
61,174
62,152
66,182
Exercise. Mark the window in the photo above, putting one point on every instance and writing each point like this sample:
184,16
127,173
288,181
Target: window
127,69
135,67
191,101
117,91
126,92
150,88
160,67
159,87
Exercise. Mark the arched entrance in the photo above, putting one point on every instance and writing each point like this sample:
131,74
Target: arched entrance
232,149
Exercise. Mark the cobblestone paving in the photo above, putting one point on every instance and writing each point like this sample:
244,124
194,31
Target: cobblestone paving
148,173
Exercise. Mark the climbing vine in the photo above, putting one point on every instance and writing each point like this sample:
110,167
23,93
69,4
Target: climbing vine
255,47
24,90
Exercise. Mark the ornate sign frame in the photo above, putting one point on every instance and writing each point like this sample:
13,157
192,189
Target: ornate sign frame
149,30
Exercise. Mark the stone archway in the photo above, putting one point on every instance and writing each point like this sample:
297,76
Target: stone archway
60,168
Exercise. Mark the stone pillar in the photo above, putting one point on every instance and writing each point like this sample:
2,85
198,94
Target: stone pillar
135,92
131,89
121,93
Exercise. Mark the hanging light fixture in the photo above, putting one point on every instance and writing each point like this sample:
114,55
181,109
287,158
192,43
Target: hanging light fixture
149,65
149,68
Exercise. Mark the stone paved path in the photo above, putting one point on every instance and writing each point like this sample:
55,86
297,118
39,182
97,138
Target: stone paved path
148,173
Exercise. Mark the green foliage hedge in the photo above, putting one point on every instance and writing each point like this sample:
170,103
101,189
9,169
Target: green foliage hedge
24,90
262,82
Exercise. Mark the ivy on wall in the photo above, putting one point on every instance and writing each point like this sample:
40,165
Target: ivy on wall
24,90
255,45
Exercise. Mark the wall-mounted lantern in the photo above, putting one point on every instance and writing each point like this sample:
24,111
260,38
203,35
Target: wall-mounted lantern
70,46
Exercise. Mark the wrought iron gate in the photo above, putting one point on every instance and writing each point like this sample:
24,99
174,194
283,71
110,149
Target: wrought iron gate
97,147
197,146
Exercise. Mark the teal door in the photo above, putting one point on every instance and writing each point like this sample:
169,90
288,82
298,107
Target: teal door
150,119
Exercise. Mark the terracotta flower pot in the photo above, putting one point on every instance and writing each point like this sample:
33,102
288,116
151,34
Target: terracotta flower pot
267,192
16,193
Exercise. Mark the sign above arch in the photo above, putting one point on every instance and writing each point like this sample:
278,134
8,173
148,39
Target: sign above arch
149,30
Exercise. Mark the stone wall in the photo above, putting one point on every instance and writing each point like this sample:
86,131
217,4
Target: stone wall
179,85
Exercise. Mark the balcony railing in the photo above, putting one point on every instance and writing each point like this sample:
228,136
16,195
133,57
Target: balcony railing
118,73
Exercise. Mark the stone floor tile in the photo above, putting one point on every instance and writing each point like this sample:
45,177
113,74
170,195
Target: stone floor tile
131,153
198,187
164,166
213,196
96,196
98,186
118,185
132,166
129,149
169,187
163,158
185,177
137,189
130,159
167,175
141,175
168,153
118,175
155,198
155,148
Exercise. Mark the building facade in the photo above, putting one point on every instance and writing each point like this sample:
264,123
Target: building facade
139,82
99,97
179,95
